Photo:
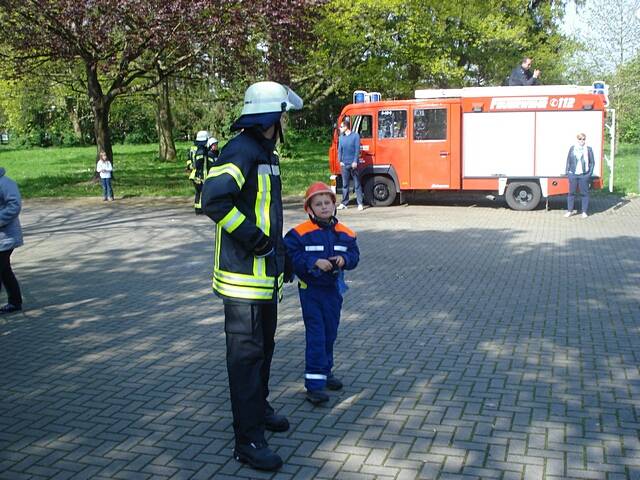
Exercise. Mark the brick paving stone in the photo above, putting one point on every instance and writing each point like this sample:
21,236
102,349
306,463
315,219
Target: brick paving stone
464,350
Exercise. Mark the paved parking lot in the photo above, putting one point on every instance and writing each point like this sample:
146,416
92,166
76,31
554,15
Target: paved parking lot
476,342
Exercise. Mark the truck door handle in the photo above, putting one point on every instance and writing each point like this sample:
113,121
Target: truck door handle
444,154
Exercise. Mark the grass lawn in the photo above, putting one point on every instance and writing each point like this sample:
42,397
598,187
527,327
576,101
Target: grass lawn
67,172
626,170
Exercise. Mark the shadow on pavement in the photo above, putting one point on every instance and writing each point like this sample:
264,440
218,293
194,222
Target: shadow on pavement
471,351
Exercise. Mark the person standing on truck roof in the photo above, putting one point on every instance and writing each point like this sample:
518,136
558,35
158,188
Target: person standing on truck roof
522,76
580,164
348,155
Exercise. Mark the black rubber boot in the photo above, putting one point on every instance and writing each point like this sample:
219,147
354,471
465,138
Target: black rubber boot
317,397
334,383
10,308
276,423
258,456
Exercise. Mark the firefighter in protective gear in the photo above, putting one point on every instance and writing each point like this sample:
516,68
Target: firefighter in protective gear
320,250
242,194
212,153
196,160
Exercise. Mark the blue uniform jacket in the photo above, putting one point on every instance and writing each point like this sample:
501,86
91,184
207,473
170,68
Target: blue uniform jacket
308,242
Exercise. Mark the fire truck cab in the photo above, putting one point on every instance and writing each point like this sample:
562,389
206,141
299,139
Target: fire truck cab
512,141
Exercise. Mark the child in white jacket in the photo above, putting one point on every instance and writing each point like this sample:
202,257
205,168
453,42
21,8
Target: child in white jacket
105,168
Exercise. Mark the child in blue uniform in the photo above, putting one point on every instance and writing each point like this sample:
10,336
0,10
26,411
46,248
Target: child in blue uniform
320,250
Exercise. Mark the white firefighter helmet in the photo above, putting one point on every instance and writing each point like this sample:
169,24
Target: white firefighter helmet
267,97
202,136
211,141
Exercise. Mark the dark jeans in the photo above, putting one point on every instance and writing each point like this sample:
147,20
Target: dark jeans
8,279
250,330
107,191
348,173
580,182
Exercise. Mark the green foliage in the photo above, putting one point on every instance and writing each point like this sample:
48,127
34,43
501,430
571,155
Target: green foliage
132,120
625,97
396,46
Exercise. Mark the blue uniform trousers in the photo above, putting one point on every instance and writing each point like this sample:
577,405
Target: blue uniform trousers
321,314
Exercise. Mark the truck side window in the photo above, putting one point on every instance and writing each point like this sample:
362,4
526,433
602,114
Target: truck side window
430,124
392,124
365,126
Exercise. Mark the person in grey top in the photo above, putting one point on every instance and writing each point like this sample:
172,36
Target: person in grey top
348,155
10,238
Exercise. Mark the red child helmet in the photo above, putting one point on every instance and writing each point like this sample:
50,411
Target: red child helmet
315,189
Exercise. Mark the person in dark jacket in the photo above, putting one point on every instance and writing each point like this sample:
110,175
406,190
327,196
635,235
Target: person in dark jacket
522,76
242,194
321,249
196,160
580,165
348,155
10,238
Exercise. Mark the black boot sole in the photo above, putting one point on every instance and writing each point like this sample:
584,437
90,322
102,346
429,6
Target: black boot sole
276,428
317,402
244,459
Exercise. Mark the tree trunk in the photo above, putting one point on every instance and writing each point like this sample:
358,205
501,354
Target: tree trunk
100,105
164,123
72,111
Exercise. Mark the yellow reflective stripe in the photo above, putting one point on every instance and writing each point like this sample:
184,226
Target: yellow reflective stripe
301,284
244,279
263,203
216,256
230,169
280,280
232,220
259,267
241,292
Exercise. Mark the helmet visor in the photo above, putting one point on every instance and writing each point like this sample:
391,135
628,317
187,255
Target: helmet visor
294,102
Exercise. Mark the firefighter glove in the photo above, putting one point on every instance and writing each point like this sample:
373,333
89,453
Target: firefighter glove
264,247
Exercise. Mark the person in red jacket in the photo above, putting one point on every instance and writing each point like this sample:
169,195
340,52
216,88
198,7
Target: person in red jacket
320,249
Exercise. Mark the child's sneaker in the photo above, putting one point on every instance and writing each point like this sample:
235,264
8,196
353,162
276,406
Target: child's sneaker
334,383
317,397
341,206
360,207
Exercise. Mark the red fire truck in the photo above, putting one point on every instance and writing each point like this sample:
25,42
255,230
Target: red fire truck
512,141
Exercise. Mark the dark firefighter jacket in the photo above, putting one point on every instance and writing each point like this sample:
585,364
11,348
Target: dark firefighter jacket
242,194
199,161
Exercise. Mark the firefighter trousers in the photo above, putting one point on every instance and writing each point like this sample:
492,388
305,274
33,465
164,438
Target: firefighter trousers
250,330
197,201
321,314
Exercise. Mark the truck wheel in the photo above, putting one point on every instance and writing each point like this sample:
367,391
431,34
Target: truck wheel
379,191
523,195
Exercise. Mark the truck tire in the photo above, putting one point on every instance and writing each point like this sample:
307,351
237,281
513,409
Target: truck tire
523,195
379,191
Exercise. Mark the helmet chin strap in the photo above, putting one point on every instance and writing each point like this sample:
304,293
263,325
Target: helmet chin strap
279,129
322,223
